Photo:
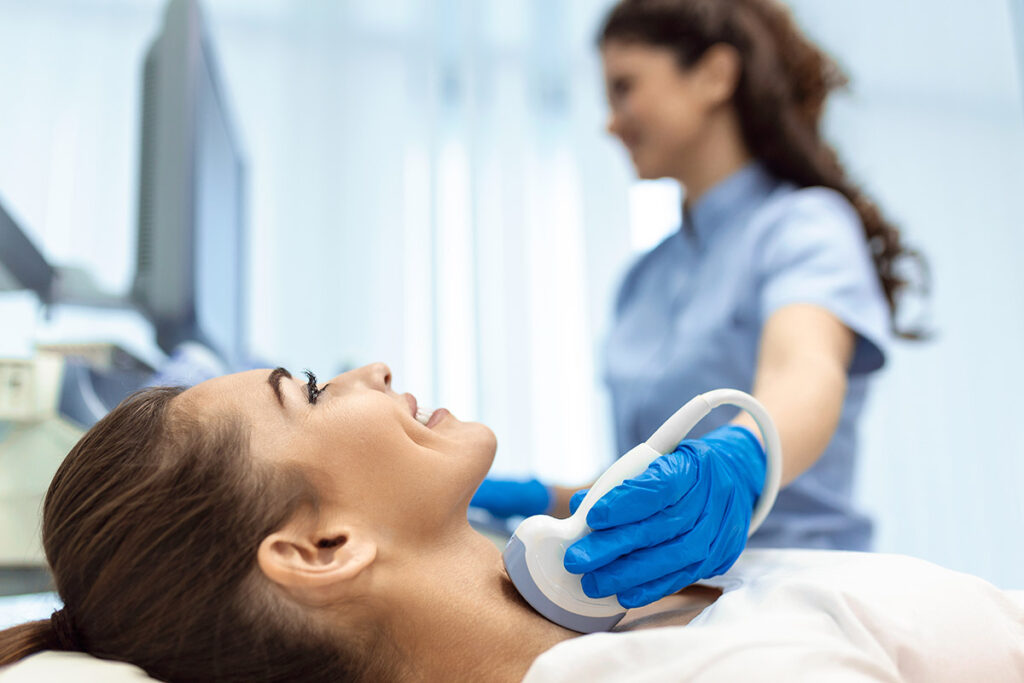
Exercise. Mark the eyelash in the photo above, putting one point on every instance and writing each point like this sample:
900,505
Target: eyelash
311,390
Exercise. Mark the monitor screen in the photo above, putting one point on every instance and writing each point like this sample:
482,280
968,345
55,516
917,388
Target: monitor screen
190,269
219,235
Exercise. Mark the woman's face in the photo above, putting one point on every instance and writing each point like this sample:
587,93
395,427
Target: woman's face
359,444
657,109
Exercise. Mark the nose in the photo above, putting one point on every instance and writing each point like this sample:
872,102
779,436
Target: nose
613,125
376,376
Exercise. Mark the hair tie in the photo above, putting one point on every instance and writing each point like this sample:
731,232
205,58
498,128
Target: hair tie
64,631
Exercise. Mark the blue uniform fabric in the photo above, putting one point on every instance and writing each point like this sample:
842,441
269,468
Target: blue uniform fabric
689,316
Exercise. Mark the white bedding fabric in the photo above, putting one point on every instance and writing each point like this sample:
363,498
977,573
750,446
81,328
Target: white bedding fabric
798,615
792,615
71,667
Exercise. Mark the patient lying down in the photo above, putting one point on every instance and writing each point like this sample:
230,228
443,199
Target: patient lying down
261,527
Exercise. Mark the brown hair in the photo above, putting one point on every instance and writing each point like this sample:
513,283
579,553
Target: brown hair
151,527
780,98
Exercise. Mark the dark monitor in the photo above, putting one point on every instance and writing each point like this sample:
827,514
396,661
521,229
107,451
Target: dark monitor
190,278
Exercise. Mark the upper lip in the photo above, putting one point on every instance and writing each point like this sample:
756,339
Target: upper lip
413,407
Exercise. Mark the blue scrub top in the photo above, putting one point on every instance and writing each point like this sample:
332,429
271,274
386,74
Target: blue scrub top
689,316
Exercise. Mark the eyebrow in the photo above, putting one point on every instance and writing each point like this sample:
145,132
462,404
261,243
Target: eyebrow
274,380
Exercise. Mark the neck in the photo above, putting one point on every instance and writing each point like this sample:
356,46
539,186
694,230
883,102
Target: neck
718,153
464,620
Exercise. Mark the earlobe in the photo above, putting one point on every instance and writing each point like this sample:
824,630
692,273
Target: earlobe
313,562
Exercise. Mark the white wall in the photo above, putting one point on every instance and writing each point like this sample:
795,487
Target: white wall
68,117
418,174
933,127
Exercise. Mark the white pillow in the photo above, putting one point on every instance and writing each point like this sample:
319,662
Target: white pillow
52,666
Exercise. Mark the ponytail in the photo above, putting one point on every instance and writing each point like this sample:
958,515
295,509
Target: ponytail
22,640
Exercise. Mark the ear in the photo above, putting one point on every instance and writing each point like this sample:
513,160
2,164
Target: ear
315,565
719,69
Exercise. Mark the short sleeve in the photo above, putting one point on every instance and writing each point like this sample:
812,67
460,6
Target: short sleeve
815,252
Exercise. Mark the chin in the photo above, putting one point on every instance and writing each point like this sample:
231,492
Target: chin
485,441
647,171
481,445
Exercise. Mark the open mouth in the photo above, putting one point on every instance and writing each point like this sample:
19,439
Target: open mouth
434,417
427,418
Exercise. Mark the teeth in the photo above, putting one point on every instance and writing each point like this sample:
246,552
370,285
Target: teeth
423,415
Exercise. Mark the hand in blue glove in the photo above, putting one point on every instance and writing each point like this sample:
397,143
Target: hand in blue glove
506,498
683,519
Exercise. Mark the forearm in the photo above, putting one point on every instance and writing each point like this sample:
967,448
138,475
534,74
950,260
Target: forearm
801,380
805,399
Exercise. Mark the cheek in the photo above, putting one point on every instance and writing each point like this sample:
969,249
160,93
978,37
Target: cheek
682,117
463,456
431,475
387,467
638,115
444,478
358,450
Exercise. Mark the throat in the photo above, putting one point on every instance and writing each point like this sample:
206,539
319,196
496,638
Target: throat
464,615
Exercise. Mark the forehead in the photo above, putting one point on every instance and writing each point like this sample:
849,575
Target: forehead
619,55
248,397
229,392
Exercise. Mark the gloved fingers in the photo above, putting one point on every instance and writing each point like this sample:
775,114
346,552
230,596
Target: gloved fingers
576,499
664,482
731,539
735,439
646,593
723,554
735,517
726,561
601,547
648,564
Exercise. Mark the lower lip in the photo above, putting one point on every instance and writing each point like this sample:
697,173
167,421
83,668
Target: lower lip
437,416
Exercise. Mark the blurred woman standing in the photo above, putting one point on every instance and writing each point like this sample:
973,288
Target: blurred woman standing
782,280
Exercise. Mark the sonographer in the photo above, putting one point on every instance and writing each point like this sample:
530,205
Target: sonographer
781,281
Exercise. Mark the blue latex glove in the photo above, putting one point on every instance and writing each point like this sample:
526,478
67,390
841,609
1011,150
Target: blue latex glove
683,519
506,498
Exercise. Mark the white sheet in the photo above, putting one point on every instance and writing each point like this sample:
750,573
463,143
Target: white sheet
74,667
817,616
